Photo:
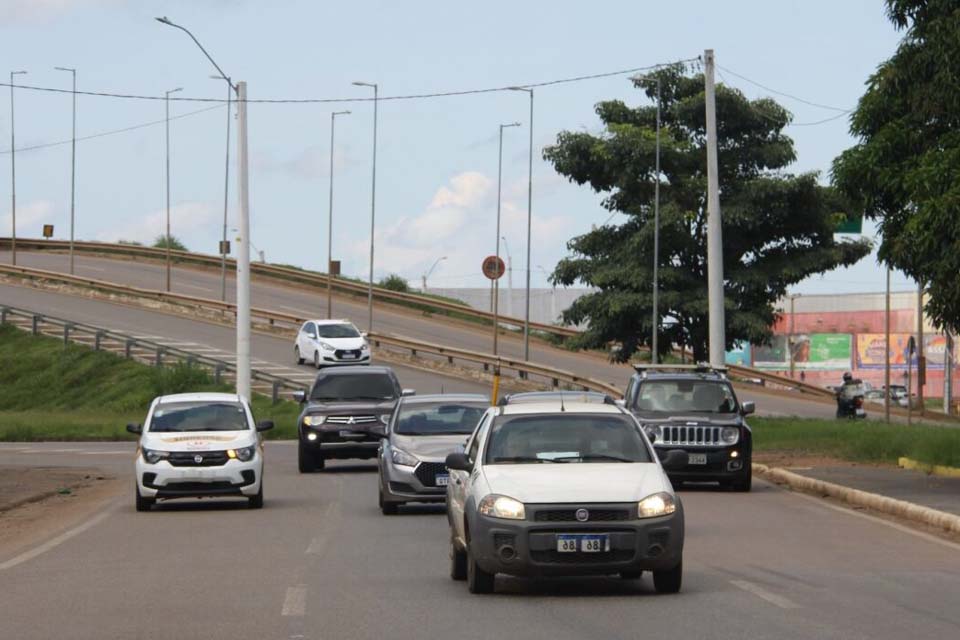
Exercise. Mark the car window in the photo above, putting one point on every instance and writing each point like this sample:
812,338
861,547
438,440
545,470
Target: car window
439,418
337,331
474,448
698,396
198,416
354,386
565,438
310,329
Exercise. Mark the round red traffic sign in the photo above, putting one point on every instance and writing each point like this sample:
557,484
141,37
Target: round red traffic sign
493,267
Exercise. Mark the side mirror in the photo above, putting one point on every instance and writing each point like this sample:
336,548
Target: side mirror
300,396
651,435
379,430
674,460
408,392
622,403
265,425
312,336
135,428
748,407
458,462
364,335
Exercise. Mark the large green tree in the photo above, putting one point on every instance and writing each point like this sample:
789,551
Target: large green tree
777,227
905,170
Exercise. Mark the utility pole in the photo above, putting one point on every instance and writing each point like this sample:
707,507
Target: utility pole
921,352
654,353
226,196
526,315
948,373
243,248
886,364
13,176
717,331
333,122
496,281
793,332
373,200
166,102
73,163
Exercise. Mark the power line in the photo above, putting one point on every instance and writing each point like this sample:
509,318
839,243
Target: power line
102,134
771,118
786,95
416,96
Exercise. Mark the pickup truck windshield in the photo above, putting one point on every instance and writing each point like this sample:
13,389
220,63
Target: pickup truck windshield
359,386
558,438
440,418
685,396
198,416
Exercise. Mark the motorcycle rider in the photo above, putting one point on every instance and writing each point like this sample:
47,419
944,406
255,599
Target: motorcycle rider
847,394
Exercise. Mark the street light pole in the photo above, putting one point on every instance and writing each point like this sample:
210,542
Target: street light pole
73,163
496,282
715,297
333,118
526,316
654,353
506,246
166,101
226,194
430,271
373,201
13,176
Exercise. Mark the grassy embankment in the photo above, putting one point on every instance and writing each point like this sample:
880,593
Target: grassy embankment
52,392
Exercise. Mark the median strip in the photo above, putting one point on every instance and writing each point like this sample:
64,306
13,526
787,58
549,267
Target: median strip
933,469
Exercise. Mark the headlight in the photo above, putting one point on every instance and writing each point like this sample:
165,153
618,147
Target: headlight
502,507
365,347
326,346
152,456
654,432
314,421
403,458
730,435
385,418
244,455
659,504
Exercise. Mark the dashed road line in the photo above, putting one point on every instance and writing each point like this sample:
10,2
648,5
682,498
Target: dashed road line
295,602
760,592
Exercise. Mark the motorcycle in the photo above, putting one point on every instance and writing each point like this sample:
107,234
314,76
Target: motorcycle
850,401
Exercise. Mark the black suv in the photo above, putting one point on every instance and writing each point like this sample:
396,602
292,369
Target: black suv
343,413
693,408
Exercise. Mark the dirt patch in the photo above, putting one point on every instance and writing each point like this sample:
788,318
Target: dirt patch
792,461
22,485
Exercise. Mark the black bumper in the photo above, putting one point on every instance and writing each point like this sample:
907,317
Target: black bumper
721,465
199,489
331,445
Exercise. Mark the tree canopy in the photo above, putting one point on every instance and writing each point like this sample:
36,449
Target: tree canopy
778,228
905,170
175,243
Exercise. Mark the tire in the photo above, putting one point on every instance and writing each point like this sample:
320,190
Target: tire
387,508
256,502
316,360
478,580
296,353
458,562
143,504
635,574
668,581
305,460
744,484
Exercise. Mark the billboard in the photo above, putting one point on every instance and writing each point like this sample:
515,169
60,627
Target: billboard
870,350
739,355
811,352
772,356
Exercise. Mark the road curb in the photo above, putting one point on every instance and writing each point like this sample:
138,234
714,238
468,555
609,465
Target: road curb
890,506
934,469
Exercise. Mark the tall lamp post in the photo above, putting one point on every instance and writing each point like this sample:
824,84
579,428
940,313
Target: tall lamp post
496,283
166,101
430,271
526,315
243,255
333,119
226,193
506,246
373,200
13,176
73,163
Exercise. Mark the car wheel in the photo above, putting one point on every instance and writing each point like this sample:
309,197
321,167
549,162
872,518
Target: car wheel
743,485
143,504
478,580
316,359
632,575
668,581
305,460
388,508
256,502
458,561
296,353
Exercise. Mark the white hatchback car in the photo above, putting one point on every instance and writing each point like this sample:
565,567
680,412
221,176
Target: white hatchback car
558,489
328,343
199,445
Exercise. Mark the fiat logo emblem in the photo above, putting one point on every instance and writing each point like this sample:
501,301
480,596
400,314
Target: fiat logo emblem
582,515
198,459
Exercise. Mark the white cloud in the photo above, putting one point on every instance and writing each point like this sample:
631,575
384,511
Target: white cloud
30,217
185,219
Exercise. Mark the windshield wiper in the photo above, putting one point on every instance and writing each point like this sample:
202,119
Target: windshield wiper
596,457
524,459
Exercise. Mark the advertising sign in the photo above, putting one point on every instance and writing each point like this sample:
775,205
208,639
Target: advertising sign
772,356
870,351
739,355
822,351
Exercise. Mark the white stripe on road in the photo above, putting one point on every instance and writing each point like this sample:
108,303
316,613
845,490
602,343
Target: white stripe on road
51,544
295,602
760,592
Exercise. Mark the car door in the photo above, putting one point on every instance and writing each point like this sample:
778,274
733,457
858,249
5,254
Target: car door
307,337
459,480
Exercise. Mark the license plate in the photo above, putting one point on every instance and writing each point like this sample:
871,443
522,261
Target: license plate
442,481
861,412
697,458
348,356
574,543
350,434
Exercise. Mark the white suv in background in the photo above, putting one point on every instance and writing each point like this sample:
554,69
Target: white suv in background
328,343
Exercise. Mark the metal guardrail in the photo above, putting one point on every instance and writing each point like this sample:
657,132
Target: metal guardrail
286,320
285,274
128,345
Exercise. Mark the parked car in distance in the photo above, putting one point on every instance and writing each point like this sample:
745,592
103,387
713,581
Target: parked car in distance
328,343
874,395
694,408
556,396
341,412
551,490
195,445
422,432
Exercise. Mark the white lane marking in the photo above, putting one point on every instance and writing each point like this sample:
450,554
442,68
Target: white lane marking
308,314
86,267
295,602
55,542
193,286
760,592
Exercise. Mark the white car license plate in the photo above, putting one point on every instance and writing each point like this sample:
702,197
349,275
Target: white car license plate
348,356
442,481
697,458
575,542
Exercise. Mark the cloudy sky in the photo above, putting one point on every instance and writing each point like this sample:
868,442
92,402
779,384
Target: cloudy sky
437,166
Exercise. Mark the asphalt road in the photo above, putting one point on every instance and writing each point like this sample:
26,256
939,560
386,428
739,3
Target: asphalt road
388,319
320,562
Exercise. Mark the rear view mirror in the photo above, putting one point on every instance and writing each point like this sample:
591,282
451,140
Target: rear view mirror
674,460
265,425
135,428
748,407
408,392
300,396
458,462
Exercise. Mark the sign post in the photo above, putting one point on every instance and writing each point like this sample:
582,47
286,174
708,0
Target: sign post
493,268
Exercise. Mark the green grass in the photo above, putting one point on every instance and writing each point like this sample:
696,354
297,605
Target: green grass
49,391
860,441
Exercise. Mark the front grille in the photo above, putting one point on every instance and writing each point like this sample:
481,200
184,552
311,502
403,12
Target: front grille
189,458
691,436
570,515
555,557
347,419
340,353
504,540
427,472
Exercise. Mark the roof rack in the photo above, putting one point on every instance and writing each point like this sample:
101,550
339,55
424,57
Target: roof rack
700,367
